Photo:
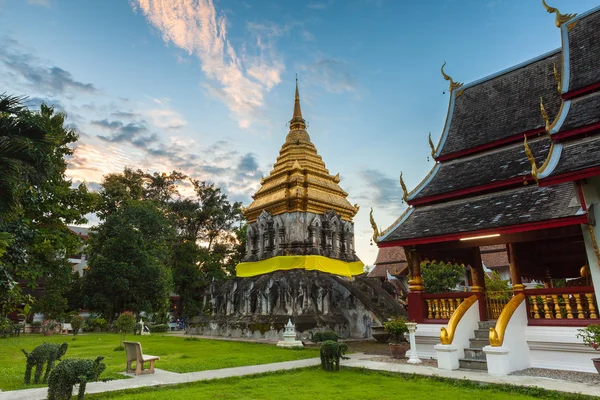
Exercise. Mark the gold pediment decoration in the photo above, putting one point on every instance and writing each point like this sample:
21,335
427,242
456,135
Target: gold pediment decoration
404,190
431,145
560,18
535,170
453,85
374,226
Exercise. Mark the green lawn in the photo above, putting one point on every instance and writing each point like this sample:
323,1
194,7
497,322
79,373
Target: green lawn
176,354
313,383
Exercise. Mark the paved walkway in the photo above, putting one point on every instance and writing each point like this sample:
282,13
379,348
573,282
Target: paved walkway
356,361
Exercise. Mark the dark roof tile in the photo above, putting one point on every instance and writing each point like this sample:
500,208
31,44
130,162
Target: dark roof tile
584,52
578,155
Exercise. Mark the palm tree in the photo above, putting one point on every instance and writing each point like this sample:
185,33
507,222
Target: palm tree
23,143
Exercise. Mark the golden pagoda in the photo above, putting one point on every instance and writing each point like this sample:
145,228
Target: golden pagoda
299,180
300,217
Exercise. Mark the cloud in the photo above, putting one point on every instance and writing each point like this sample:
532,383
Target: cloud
383,191
319,5
331,74
240,81
38,75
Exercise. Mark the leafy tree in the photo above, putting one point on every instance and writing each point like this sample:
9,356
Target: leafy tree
125,323
128,257
37,201
441,277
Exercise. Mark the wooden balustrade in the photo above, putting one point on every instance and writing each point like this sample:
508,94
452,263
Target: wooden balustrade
442,306
561,306
495,302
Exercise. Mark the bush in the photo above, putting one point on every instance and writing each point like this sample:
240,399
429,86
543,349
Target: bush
125,323
159,328
95,324
36,324
44,354
397,328
498,285
5,327
330,353
17,329
441,277
77,323
71,372
591,336
323,336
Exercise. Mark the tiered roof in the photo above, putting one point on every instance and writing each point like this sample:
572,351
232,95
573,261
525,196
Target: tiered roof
485,180
299,180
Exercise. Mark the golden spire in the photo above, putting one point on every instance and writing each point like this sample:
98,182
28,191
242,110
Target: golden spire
404,190
297,122
374,226
453,85
432,146
560,18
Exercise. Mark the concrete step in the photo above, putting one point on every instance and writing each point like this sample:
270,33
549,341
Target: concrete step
475,354
487,324
479,343
467,363
482,333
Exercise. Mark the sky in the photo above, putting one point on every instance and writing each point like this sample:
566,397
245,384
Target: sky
207,86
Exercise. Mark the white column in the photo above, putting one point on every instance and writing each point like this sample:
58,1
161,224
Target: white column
447,356
414,357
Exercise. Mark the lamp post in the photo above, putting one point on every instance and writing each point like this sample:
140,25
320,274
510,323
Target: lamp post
414,357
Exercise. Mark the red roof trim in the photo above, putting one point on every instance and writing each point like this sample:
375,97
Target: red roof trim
580,92
577,131
457,193
532,226
571,176
491,145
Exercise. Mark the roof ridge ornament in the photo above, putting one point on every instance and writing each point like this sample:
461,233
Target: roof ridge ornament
531,158
535,171
453,85
404,190
374,226
432,146
548,125
558,78
560,18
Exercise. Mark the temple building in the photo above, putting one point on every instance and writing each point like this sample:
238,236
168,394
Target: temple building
300,261
517,169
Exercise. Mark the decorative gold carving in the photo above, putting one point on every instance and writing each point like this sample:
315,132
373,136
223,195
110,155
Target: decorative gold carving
560,18
535,171
432,146
531,158
591,308
497,334
447,333
374,226
580,314
568,309
459,93
356,206
558,80
572,25
594,243
404,190
547,125
453,85
336,178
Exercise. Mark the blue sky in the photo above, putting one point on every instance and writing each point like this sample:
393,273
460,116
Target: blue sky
207,86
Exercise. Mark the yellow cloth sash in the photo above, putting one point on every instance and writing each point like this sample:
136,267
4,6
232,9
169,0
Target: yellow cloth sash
309,263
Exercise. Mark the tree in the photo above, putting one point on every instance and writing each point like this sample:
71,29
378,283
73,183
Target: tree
37,201
125,323
441,277
128,256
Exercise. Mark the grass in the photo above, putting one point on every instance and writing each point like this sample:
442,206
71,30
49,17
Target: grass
176,354
313,383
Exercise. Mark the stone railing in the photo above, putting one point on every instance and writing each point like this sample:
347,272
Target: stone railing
438,308
562,306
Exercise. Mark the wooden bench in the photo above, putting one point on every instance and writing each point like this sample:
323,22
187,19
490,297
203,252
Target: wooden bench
134,353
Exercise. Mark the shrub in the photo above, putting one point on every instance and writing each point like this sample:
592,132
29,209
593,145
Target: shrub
5,327
36,324
591,336
159,328
497,284
17,329
124,324
397,328
71,372
44,353
330,353
95,324
440,277
77,323
323,336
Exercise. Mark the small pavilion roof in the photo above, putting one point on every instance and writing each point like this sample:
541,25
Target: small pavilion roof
508,208
389,259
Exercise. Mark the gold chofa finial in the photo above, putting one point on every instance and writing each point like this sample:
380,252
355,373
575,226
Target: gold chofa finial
404,191
531,158
374,226
558,80
432,146
545,116
453,85
560,18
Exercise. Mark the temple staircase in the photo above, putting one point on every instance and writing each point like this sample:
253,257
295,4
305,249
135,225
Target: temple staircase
474,356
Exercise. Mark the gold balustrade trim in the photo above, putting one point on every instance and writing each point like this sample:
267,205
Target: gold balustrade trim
447,334
442,308
562,306
497,334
